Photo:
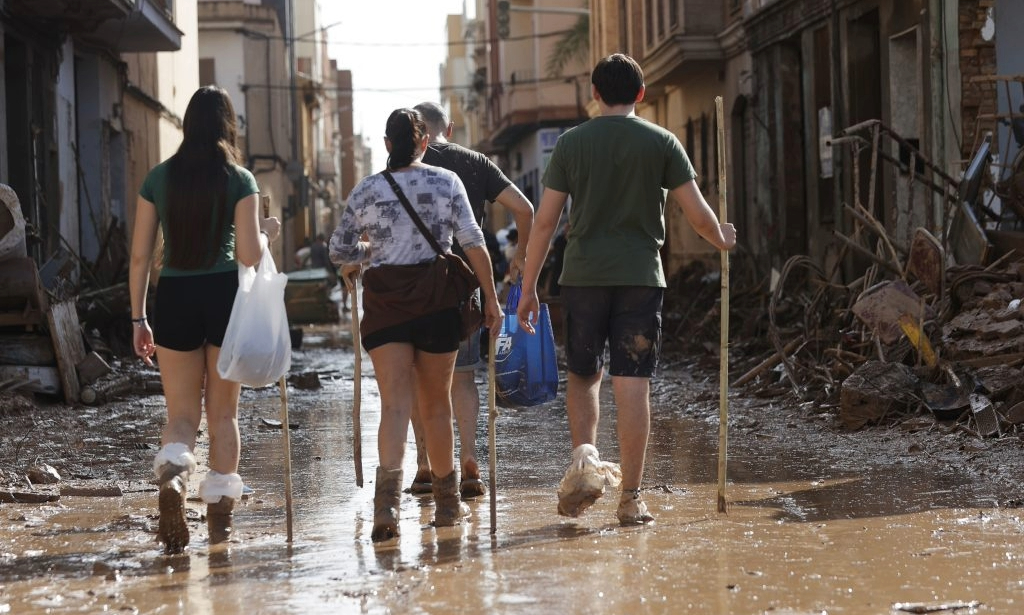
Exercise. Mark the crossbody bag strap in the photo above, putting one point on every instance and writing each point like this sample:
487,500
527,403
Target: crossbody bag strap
412,212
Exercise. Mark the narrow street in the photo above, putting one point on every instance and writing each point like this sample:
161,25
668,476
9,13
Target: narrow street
818,521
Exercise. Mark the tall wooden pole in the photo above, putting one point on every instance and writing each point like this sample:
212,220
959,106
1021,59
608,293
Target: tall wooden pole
723,376
283,386
492,417
357,384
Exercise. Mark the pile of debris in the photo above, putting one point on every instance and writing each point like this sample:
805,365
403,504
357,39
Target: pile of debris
58,339
948,341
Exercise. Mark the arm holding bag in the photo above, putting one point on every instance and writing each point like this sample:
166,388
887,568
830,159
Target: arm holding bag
525,367
257,348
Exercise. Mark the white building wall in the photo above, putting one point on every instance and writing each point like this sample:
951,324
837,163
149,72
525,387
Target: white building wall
67,134
228,52
178,73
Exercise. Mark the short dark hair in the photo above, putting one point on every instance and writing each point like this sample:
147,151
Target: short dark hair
434,115
618,79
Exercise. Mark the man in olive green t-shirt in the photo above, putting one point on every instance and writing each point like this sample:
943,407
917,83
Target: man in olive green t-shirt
616,167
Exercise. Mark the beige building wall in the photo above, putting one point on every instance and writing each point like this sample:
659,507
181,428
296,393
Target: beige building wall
241,50
687,64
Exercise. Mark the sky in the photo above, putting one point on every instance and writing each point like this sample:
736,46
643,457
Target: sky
394,49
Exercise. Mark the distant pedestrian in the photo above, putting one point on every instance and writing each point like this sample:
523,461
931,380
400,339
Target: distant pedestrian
616,167
319,258
208,209
413,354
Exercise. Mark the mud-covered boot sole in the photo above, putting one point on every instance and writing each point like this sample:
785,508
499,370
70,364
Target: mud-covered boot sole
173,529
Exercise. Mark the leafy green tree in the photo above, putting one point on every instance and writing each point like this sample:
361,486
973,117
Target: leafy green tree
574,45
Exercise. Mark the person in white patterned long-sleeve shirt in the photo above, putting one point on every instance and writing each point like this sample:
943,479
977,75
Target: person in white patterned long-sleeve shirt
413,356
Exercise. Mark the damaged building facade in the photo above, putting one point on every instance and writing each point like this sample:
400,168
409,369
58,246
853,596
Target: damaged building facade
92,96
795,74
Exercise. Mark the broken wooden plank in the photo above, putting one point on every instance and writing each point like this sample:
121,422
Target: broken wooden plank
32,378
27,497
26,349
768,363
66,333
109,491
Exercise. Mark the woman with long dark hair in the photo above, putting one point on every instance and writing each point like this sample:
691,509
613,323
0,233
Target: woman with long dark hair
207,207
413,354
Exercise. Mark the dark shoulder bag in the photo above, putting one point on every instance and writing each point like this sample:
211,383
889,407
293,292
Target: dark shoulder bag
456,284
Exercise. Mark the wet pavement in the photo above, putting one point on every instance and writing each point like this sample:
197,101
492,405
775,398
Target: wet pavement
811,528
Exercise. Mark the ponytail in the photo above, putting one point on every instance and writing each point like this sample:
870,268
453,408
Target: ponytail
405,131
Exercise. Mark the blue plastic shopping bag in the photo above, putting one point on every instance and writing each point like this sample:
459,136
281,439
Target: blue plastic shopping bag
525,368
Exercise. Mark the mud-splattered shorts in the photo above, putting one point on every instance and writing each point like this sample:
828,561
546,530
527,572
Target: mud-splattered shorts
627,318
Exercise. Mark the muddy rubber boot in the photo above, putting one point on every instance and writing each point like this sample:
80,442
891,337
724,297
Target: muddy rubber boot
421,483
448,507
387,496
471,486
220,518
173,529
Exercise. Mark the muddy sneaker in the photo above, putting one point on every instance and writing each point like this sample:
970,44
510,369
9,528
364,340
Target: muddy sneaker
173,530
632,509
584,481
471,486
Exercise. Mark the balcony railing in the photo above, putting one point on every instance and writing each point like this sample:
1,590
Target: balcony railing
120,25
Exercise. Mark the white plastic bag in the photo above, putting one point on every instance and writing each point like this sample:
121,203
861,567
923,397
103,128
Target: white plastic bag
257,348
585,480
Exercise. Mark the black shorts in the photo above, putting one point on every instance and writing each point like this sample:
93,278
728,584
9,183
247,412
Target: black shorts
628,318
193,310
439,333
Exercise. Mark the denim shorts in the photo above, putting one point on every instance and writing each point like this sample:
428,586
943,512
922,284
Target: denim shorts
468,359
192,310
626,318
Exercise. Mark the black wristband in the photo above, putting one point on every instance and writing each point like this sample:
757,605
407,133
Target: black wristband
140,319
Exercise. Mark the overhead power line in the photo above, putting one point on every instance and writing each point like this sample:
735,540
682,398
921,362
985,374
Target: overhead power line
472,41
443,88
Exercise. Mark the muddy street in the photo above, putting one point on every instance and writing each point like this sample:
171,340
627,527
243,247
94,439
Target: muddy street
819,521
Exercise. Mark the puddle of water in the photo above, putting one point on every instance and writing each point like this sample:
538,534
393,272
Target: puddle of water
808,531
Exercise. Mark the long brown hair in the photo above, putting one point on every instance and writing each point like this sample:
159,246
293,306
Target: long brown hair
197,180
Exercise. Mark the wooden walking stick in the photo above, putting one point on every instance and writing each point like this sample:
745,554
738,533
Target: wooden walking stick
357,383
492,417
723,376
283,385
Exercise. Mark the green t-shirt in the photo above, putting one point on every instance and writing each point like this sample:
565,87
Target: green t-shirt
617,169
241,184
